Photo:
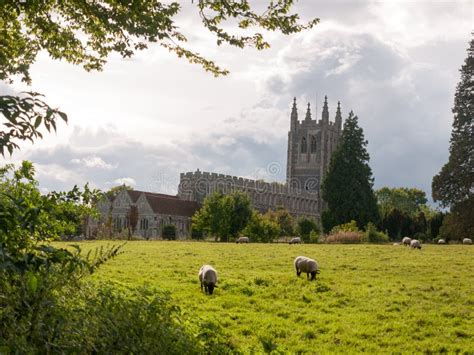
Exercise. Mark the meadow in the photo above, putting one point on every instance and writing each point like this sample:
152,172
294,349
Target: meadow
373,298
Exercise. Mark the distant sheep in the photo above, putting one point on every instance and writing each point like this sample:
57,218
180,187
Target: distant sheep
415,244
295,240
467,241
441,241
306,265
208,278
406,241
396,244
241,240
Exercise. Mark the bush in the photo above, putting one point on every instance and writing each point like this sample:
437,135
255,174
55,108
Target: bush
345,237
374,236
305,226
169,232
314,237
346,227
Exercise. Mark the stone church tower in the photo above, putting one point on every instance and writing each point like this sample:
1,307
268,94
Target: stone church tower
310,146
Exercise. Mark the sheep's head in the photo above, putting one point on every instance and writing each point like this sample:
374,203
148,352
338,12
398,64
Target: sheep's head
313,274
210,287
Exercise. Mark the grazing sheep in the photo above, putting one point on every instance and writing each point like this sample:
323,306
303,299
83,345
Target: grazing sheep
241,240
208,278
467,241
406,241
307,265
295,240
415,244
396,243
441,241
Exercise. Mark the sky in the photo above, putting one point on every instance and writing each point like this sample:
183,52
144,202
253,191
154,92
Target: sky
143,121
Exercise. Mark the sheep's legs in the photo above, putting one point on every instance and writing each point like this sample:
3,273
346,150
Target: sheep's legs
201,286
298,272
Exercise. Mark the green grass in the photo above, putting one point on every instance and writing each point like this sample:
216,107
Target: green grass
374,298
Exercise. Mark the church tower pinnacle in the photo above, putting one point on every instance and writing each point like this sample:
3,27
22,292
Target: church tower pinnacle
325,114
294,116
308,113
338,120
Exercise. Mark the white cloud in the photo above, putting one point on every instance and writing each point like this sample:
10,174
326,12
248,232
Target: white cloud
93,161
126,181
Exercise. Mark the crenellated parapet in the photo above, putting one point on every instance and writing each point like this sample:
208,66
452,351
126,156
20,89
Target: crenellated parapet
195,186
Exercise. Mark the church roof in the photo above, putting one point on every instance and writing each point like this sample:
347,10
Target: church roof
171,205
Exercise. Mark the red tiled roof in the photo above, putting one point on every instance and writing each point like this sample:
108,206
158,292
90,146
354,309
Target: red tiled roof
171,205
134,195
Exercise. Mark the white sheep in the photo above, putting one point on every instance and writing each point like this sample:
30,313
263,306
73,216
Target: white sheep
395,244
295,240
406,241
242,240
467,241
208,278
415,244
307,265
441,241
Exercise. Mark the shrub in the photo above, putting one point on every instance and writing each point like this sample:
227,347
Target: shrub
346,227
374,236
314,237
305,226
169,232
345,237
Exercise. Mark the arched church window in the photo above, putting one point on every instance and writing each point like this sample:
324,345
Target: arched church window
303,145
313,144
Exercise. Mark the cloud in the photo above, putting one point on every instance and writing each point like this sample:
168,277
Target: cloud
126,181
93,161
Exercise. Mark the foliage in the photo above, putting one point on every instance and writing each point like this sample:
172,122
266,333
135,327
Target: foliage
169,232
86,33
305,226
347,186
314,236
407,200
28,217
114,191
223,216
196,234
454,183
261,228
345,237
24,116
346,227
363,300
284,219
459,223
372,235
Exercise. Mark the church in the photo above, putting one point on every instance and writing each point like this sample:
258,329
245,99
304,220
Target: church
311,143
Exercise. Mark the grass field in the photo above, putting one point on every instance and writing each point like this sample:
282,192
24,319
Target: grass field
375,298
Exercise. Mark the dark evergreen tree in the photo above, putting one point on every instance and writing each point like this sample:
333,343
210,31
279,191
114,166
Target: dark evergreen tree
454,185
347,187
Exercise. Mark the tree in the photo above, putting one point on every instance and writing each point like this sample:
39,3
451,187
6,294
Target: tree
408,200
261,228
284,219
305,226
86,32
169,232
223,216
453,186
114,191
347,186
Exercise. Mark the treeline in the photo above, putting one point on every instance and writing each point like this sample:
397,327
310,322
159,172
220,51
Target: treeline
226,217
